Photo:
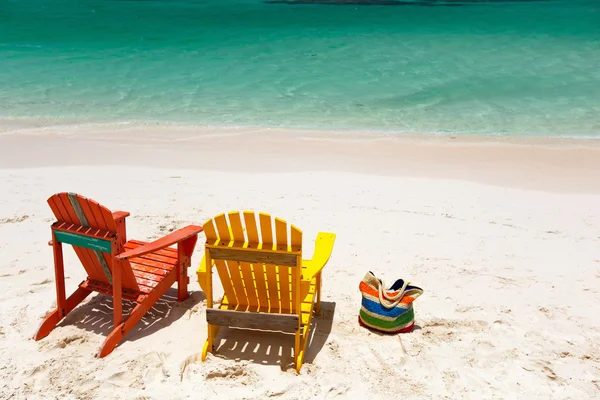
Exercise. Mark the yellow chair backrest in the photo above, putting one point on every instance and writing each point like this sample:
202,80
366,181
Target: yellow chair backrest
258,259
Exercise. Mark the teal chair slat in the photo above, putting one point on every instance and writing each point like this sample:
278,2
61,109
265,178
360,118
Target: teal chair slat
83,241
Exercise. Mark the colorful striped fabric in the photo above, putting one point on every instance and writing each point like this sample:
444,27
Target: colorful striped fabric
387,310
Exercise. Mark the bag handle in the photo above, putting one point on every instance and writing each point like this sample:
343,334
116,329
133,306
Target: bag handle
395,300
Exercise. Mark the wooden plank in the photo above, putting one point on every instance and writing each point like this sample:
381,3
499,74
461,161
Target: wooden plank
83,241
157,258
222,228
91,218
98,217
261,286
296,285
296,236
237,281
148,275
83,231
249,284
107,215
168,252
147,269
253,256
57,208
251,228
281,234
67,209
236,227
153,264
102,215
272,287
223,271
252,320
209,230
285,288
266,231
146,282
74,201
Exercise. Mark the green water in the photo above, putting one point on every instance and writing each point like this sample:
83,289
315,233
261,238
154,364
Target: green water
479,67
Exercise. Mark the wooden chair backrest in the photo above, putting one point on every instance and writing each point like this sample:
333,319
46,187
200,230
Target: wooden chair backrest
258,259
92,231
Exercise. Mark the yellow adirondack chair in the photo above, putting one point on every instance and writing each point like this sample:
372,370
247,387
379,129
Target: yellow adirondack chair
267,285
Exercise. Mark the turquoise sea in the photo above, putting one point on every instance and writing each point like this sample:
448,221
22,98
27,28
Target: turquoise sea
462,67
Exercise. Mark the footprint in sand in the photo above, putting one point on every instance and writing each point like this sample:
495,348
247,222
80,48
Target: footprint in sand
444,330
186,363
66,341
14,220
231,373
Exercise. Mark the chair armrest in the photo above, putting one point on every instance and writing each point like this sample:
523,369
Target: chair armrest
323,250
166,241
117,215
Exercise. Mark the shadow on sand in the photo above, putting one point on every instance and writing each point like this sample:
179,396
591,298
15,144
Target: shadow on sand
274,348
97,314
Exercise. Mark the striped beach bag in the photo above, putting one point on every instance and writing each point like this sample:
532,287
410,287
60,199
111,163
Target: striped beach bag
387,310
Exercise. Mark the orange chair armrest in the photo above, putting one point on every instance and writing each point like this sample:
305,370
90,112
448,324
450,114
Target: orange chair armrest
166,241
117,215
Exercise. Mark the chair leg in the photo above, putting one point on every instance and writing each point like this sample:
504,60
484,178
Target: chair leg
121,330
134,316
184,261
213,331
298,352
182,281
54,317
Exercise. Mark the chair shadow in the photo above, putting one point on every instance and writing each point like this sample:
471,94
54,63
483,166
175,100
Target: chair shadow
274,348
97,314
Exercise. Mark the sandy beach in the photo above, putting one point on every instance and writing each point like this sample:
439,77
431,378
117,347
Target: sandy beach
502,234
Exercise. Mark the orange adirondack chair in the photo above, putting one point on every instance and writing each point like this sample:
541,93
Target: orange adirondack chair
132,270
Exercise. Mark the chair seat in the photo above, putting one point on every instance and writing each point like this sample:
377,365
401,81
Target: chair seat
150,269
307,306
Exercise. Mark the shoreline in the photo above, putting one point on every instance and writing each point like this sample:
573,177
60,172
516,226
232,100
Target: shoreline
20,125
550,164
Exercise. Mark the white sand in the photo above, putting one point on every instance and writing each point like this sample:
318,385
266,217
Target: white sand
511,275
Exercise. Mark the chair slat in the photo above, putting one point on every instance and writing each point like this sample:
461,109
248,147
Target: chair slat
237,281
285,287
210,231
67,209
223,272
222,228
236,227
249,284
91,218
272,286
281,234
266,231
251,228
261,286
296,238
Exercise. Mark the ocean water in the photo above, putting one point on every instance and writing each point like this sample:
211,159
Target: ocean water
463,67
